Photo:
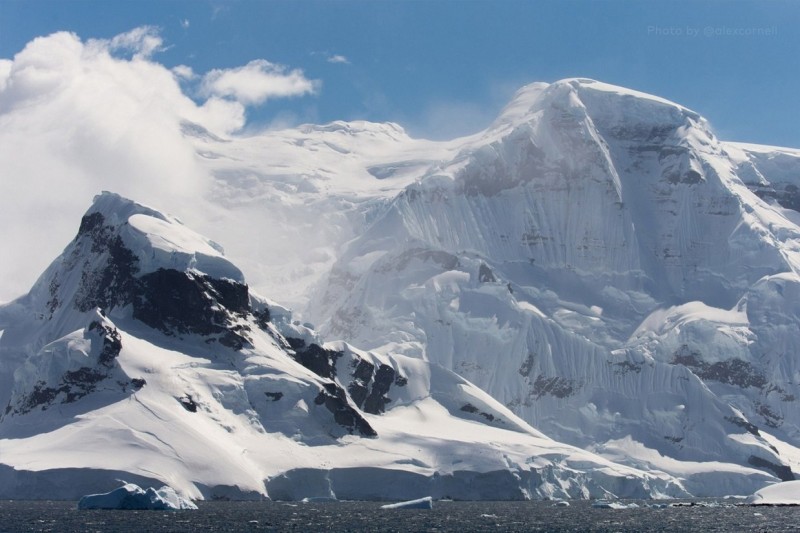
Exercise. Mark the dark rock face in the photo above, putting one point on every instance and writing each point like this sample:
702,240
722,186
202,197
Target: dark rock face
485,274
334,399
554,386
168,300
369,387
742,423
112,282
75,384
469,408
787,195
319,360
376,402
188,403
783,472
731,372
183,303
112,344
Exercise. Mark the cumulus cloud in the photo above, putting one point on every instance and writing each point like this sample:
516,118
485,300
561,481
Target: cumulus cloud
77,118
257,82
185,24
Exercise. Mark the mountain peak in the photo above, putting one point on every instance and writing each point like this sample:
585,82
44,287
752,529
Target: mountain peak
605,103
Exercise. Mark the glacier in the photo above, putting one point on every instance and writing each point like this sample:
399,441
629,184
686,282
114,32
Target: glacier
142,354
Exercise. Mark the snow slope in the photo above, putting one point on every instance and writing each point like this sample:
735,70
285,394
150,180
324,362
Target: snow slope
141,354
600,263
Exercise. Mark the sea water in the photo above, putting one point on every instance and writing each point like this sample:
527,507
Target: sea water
228,517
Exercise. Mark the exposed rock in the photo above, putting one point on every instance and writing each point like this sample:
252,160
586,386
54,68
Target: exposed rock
188,403
183,302
334,399
783,472
469,408
315,358
485,274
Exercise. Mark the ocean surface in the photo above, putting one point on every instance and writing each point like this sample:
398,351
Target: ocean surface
64,517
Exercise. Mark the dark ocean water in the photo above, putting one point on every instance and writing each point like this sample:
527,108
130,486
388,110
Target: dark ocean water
63,517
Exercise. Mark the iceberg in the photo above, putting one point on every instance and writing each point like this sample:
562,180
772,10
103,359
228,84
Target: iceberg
421,503
133,497
603,504
786,493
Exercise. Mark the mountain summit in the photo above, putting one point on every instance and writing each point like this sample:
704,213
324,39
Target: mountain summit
602,264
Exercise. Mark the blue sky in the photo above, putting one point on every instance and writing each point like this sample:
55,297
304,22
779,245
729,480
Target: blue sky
446,68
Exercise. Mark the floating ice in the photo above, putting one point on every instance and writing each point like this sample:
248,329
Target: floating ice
422,503
786,493
603,504
133,497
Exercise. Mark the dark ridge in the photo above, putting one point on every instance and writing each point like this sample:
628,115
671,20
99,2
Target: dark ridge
742,423
376,401
359,386
334,399
188,403
783,472
112,343
182,303
788,197
112,283
319,360
262,318
469,408
274,396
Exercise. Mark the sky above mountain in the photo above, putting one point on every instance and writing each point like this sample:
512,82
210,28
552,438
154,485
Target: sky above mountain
444,69
93,93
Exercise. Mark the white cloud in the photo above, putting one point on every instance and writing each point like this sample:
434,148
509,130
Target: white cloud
5,71
76,120
79,117
184,72
143,42
257,82
185,24
337,58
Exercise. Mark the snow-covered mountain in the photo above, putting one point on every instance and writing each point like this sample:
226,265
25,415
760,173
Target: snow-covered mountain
141,354
600,263
597,263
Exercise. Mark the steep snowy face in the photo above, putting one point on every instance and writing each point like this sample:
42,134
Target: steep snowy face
542,263
141,352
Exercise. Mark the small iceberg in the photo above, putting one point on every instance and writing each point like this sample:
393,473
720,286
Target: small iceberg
786,493
422,503
604,504
133,497
561,503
